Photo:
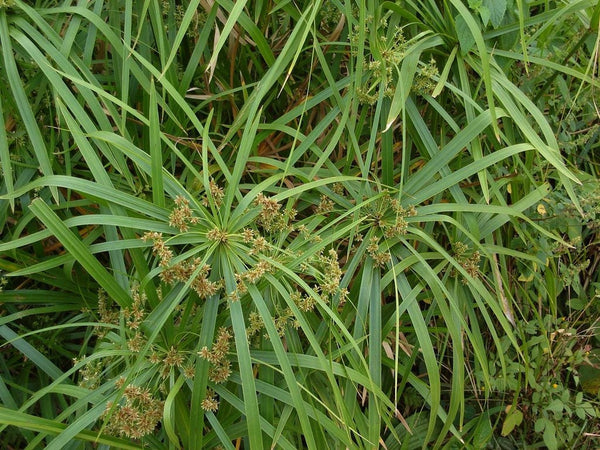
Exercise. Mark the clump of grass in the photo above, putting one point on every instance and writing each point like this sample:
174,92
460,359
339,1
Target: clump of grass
314,225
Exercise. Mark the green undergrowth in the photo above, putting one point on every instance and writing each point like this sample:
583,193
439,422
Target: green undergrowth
307,224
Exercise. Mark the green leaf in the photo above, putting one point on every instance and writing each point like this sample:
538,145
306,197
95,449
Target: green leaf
30,422
550,436
590,378
497,9
80,251
168,419
232,19
406,75
21,99
540,424
483,431
465,37
556,406
484,12
156,156
31,353
5,161
513,419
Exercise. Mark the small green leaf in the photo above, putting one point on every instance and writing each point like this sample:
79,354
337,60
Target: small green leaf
590,379
578,304
540,424
497,9
483,432
484,12
555,405
464,35
513,419
550,436
589,409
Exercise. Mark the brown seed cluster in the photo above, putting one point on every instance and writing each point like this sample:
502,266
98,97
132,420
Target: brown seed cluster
189,372
106,313
380,258
216,192
399,226
173,358
270,218
134,314
182,271
332,274
305,302
325,205
136,416
259,245
469,262
159,247
217,235
202,285
252,276
248,235
137,342
218,357
182,216
210,402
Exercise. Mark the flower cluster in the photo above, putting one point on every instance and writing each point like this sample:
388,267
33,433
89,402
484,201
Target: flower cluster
198,19
106,313
304,302
251,276
182,271
392,51
136,416
218,356
134,314
424,82
330,17
159,247
325,205
182,216
210,402
255,324
270,218
172,358
259,243
136,342
90,374
217,235
216,193
282,319
381,258
469,262
332,274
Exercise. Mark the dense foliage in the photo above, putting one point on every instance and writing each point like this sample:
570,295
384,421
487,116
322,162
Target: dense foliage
311,224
